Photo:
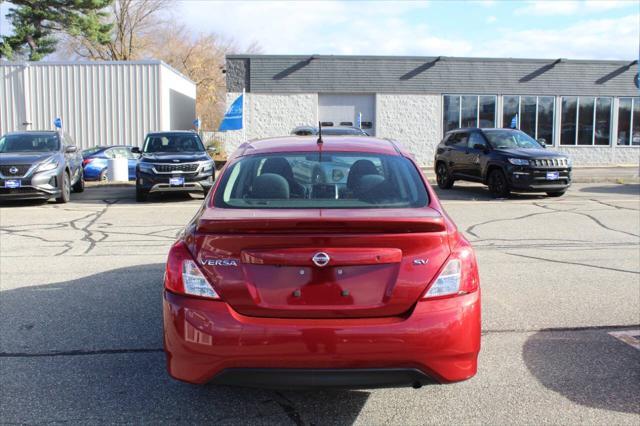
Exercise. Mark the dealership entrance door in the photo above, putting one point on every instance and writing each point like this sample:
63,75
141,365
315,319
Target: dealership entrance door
343,110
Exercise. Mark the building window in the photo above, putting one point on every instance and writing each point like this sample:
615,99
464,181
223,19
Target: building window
585,121
629,121
451,113
468,111
531,114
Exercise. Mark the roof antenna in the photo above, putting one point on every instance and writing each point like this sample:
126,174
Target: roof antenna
320,141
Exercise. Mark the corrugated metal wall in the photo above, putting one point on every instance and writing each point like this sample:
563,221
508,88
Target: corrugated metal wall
99,103
12,106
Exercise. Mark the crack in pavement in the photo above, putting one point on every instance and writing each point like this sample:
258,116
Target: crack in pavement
289,408
594,219
78,352
88,234
565,262
613,205
469,230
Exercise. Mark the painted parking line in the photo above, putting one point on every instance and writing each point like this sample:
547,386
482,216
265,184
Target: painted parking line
630,337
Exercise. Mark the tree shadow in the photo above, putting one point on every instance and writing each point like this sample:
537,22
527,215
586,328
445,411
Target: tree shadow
590,368
93,346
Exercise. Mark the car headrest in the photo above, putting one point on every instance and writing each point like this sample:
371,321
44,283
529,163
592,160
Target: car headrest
270,186
358,169
366,184
279,166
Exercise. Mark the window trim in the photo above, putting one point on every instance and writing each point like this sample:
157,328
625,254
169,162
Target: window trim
519,117
459,96
617,108
593,124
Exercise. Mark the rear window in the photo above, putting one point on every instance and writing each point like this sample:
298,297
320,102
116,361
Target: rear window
328,180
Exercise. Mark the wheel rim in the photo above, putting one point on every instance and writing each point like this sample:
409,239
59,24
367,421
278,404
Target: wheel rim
497,183
442,174
67,186
103,177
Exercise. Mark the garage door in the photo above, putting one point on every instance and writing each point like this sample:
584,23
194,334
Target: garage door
343,110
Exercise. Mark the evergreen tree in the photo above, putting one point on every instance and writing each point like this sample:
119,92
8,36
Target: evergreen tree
36,23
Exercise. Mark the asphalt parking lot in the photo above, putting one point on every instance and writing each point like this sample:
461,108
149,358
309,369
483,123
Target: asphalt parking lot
80,329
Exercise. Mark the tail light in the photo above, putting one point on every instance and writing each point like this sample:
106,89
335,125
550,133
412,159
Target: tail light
87,161
459,275
183,276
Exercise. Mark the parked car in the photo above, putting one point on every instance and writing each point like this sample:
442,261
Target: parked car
95,161
173,162
329,131
504,159
283,283
39,165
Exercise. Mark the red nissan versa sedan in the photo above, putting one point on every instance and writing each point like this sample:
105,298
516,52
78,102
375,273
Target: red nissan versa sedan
321,264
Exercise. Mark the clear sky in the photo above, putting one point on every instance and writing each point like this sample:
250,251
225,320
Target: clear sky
580,29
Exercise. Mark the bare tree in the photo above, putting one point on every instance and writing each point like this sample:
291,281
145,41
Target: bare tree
144,29
133,23
202,59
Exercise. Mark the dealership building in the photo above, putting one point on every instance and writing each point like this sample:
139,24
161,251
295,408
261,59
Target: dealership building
589,109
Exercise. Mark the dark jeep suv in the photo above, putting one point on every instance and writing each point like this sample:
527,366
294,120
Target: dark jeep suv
39,165
173,162
504,159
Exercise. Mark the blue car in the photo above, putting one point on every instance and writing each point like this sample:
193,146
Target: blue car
96,159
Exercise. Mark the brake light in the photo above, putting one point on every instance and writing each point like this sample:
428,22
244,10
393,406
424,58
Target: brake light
459,275
87,161
183,276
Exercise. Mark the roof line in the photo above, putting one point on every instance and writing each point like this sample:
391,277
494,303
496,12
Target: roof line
84,62
394,145
431,58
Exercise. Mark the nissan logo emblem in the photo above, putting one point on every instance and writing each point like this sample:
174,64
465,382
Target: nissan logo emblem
13,170
321,259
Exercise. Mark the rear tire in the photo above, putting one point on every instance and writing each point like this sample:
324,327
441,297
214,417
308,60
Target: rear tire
103,178
141,194
498,185
79,185
556,193
65,190
444,180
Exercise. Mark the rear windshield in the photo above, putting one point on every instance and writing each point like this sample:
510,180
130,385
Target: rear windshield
29,142
173,143
327,180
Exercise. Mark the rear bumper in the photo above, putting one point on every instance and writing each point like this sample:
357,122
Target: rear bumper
304,378
207,341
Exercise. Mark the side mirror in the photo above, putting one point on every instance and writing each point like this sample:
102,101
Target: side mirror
71,149
543,142
135,150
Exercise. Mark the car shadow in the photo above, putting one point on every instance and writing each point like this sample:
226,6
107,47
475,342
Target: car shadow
93,346
589,367
24,203
478,192
624,189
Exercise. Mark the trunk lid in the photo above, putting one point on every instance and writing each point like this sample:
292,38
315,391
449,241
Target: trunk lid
379,262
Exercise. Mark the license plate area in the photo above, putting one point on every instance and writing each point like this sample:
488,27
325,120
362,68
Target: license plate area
176,181
12,183
553,175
